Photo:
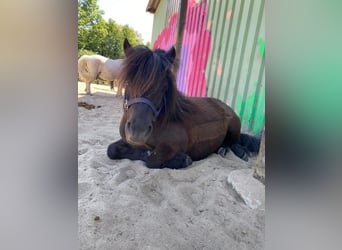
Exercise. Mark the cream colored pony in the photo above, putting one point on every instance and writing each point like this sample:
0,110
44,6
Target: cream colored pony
97,66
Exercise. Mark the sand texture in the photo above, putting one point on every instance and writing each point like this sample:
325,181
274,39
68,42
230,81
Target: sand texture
124,205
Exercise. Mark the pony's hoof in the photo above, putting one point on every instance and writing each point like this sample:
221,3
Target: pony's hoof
244,157
187,161
181,160
222,151
239,152
184,161
112,151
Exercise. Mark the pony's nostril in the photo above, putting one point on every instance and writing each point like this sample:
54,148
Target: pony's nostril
149,128
128,125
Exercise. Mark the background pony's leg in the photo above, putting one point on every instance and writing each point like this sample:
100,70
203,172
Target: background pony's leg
119,92
121,150
111,83
88,88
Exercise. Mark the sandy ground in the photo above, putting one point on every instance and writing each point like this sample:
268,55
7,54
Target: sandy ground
124,205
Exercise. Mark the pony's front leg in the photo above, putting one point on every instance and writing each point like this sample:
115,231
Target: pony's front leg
165,157
121,150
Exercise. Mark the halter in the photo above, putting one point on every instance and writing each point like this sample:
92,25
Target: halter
127,103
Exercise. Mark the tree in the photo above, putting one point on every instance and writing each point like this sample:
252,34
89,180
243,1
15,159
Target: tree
89,13
133,37
82,52
113,41
90,24
99,36
96,37
148,44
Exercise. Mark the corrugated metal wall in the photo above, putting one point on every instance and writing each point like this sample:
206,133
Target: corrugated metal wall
159,19
236,67
223,54
172,7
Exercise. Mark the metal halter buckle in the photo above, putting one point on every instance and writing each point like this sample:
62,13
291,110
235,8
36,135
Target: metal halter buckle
125,105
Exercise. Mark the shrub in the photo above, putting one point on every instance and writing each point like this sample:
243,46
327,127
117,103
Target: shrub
82,52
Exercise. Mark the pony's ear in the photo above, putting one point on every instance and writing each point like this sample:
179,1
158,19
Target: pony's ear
127,47
171,54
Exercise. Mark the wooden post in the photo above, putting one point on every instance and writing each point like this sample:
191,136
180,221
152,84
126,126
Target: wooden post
259,171
180,30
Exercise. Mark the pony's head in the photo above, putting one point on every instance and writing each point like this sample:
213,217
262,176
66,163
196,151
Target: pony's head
150,93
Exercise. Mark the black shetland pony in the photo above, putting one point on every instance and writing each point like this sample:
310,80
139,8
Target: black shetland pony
163,127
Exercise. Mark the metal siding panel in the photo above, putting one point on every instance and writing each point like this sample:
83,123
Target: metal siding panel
172,7
195,50
247,62
201,63
214,51
193,88
207,47
235,68
257,118
232,53
159,20
210,67
250,91
184,59
239,50
190,22
224,25
246,58
235,56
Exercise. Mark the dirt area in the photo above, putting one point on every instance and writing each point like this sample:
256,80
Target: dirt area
124,205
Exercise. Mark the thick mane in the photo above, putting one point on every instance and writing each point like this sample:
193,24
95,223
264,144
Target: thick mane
143,69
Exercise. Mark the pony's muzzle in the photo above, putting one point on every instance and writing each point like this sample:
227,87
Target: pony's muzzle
137,132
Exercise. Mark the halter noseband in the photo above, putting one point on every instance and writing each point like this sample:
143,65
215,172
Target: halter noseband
128,103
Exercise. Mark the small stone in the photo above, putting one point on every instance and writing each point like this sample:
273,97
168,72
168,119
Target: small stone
97,218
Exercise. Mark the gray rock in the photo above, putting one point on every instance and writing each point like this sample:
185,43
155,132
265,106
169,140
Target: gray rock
247,187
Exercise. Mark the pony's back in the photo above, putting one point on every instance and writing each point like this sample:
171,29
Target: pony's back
89,66
111,69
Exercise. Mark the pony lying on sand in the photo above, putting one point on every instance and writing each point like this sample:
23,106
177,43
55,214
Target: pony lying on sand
165,128
97,66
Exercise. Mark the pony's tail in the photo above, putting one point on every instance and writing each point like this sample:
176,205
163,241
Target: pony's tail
251,144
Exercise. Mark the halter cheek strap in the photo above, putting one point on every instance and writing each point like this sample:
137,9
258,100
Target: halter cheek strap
128,103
